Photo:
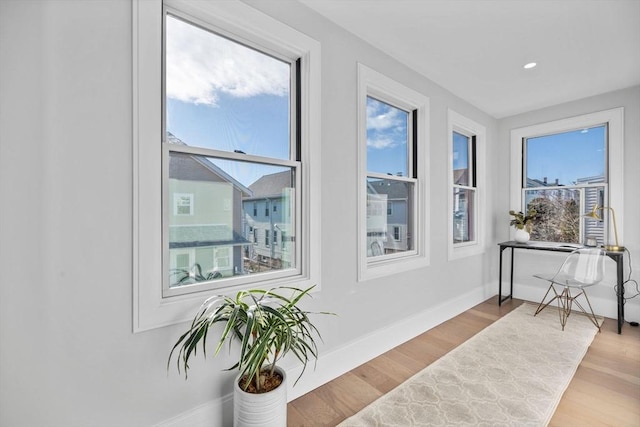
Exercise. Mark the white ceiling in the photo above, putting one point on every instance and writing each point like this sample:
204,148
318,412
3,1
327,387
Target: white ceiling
477,48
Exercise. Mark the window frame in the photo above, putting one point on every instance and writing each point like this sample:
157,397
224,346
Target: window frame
245,24
614,119
457,122
374,84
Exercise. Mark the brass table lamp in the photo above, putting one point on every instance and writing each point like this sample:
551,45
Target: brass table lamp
594,214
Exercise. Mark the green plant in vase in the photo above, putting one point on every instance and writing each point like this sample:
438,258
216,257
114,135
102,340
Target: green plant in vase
266,325
522,221
523,224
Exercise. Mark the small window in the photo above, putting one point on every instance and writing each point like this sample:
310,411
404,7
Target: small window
464,187
182,204
396,233
390,150
393,168
266,237
466,184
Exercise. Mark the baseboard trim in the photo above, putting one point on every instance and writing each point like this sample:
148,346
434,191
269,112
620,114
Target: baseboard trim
341,360
354,354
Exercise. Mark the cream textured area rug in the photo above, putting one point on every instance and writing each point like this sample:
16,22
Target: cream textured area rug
512,373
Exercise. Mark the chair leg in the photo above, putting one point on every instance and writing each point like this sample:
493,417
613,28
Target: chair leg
591,316
541,306
564,306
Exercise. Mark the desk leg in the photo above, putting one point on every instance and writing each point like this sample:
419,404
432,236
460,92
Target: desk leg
619,268
500,279
513,255
500,298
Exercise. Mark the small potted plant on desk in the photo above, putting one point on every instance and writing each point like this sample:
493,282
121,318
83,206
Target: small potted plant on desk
267,326
523,224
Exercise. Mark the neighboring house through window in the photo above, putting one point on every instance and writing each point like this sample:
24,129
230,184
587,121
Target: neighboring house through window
393,153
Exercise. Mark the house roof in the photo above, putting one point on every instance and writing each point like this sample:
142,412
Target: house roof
393,189
271,185
184,169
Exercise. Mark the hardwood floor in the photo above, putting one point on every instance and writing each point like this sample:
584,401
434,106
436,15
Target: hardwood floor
605,390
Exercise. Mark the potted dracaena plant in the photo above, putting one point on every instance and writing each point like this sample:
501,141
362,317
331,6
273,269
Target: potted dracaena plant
523,224
267,325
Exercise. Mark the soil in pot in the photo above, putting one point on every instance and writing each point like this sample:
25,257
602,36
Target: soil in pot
269,382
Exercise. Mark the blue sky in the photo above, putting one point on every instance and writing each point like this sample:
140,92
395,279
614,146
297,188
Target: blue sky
387,138
567,156
226,96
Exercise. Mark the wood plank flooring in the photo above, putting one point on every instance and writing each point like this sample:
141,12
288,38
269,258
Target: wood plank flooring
604,392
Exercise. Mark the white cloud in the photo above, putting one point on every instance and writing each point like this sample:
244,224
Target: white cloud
382,116
386,125
200,65
381,143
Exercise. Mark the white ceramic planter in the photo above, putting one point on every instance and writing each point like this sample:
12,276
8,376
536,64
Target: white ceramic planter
521,236
264,409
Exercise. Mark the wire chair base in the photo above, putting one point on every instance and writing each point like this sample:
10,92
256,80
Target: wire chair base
565,304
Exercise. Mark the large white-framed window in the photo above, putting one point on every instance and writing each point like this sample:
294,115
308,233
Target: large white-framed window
563,168
393,154
217,231
466,178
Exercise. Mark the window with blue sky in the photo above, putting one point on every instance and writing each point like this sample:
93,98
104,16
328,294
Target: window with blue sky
228,124
564,176
390,200
393,166
467,141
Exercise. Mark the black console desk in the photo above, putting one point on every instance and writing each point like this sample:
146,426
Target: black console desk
618,257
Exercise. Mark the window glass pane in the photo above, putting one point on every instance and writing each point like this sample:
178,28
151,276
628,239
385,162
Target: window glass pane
223,95
380,226
387,138
224,234
463,218
460,159
559,214
567,158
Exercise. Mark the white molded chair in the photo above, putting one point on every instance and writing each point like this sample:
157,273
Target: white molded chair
582,268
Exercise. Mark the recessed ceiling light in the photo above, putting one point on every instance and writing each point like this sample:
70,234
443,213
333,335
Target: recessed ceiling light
530,65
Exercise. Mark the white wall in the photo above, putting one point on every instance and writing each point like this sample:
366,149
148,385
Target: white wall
602,296
68,356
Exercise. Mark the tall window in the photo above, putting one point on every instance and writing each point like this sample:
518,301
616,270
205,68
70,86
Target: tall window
564,169
230,136
464,187
466,182
226,108
391,177
392,161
